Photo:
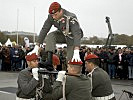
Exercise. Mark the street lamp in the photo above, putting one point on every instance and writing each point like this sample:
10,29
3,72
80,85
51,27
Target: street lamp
17,23
34,36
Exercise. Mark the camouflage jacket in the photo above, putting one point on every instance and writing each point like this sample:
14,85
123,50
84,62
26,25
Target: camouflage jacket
74,31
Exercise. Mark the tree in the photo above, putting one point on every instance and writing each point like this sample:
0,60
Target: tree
96,40
3,38
121,39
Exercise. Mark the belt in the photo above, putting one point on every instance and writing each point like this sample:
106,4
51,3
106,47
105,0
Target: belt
106,97
17,98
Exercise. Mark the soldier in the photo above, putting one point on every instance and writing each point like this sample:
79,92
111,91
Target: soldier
73,86
30,83
68,31
101,84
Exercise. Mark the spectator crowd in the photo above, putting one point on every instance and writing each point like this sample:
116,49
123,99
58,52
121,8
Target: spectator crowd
118,63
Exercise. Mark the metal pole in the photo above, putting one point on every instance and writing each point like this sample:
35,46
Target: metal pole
34,27
17,23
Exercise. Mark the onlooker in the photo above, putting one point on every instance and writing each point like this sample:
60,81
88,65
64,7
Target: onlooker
125,64
82,55
112,61
130,64
120,63
21,58
103,57
15,58
6,60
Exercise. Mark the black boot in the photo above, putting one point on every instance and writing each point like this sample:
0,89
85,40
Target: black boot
48,64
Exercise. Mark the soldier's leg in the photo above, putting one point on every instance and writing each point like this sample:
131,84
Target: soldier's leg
70,48
51,40
69,52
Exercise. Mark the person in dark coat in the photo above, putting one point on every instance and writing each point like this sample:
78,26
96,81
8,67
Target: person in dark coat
130,64
120,63
112,63
100,81
82,55
103,57
125,64
6,59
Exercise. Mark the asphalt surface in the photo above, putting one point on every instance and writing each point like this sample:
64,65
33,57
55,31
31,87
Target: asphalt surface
8,87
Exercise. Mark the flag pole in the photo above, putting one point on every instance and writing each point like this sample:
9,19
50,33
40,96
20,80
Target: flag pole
34,37
17,23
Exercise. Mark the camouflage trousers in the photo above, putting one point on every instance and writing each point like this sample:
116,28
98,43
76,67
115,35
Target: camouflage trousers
58,37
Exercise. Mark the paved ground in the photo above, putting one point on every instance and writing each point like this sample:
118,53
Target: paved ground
8,86
119,86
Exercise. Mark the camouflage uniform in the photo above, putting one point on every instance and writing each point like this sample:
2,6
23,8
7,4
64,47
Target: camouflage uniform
68,31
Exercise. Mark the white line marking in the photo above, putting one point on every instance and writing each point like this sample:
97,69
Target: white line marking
6,92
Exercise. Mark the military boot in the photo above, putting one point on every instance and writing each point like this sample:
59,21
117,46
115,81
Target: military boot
48,64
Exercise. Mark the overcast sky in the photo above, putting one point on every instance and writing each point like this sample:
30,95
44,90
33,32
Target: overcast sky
90,13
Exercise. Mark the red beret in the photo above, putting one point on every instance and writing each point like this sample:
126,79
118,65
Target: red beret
75,63
56,60
91,56
31,57
54,7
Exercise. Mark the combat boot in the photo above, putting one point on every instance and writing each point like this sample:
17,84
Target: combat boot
48,64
